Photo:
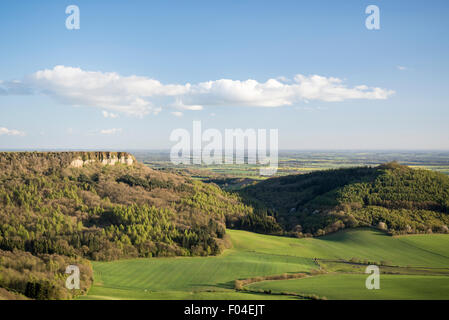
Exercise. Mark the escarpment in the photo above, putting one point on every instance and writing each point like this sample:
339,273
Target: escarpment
104,158
34,162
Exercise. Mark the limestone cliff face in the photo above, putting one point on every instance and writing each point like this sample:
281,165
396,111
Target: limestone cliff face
48,161
104,158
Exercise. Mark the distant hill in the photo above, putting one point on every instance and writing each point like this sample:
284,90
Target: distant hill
58,207
392,197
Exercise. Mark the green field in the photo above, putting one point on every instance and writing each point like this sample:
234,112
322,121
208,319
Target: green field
352,286
416,250
261,255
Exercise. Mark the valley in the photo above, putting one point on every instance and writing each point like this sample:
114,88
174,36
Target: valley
255,255
137,231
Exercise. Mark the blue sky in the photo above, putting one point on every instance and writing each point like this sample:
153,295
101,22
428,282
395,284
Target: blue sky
121,80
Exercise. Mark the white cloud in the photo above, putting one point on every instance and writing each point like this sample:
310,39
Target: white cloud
111,131
135,95
10,132
180,105
109,115
177,113
401,68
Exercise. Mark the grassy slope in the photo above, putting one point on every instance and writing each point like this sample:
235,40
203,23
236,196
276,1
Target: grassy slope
352,286
258,255
189,278
418,250
436,243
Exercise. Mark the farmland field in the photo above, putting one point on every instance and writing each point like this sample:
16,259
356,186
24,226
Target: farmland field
351,286
297,162
256,255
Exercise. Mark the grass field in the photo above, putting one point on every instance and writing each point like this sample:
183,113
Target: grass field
416,250
352,286
261,255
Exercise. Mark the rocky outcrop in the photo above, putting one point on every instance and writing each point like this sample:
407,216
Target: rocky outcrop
47,162
104,158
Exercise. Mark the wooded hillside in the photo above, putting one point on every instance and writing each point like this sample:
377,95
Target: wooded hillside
392,197
49,209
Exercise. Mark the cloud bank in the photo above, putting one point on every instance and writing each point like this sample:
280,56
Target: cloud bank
139,96
10,132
